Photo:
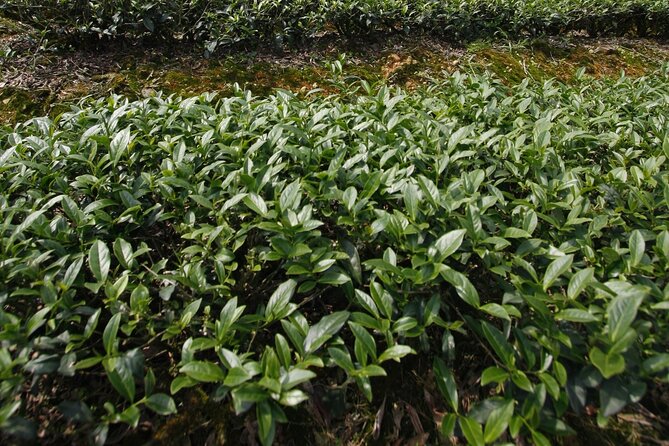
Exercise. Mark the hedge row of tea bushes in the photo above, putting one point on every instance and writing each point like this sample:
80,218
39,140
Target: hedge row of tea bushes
225,22
246,246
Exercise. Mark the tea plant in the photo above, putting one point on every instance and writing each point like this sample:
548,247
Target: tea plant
248,245
277,22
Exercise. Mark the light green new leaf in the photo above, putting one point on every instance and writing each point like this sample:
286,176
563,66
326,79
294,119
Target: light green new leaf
119,144
579,281
99,260
448,425
637,247
576,315
203,371
278,305
608,364
321,332
446,245
494,374
396,352
109,333
161,404
256,203
621,313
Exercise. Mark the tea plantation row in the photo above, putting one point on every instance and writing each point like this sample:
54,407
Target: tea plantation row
247,246
221,23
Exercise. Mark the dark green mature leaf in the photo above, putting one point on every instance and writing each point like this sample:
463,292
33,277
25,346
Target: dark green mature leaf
120,377
72,272
235,377
342,359
446,383
496,310
290,196
462,285
256,203
364,337
296,377
498,342
656,363
354,260
615,394
123,252
266,423
293,397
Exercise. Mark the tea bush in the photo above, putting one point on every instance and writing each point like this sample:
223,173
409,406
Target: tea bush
219,23
246,246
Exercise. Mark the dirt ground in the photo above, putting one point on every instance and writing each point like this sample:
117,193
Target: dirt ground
40,77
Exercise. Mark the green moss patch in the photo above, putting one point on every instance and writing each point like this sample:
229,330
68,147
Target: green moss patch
19,104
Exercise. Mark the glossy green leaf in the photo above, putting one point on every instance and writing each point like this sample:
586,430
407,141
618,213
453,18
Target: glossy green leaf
203,371
557,267
446,383
637,246
99,260
579,281
608,364
278,304
396,352
472,431
161,404
326,328
110,332
497,422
